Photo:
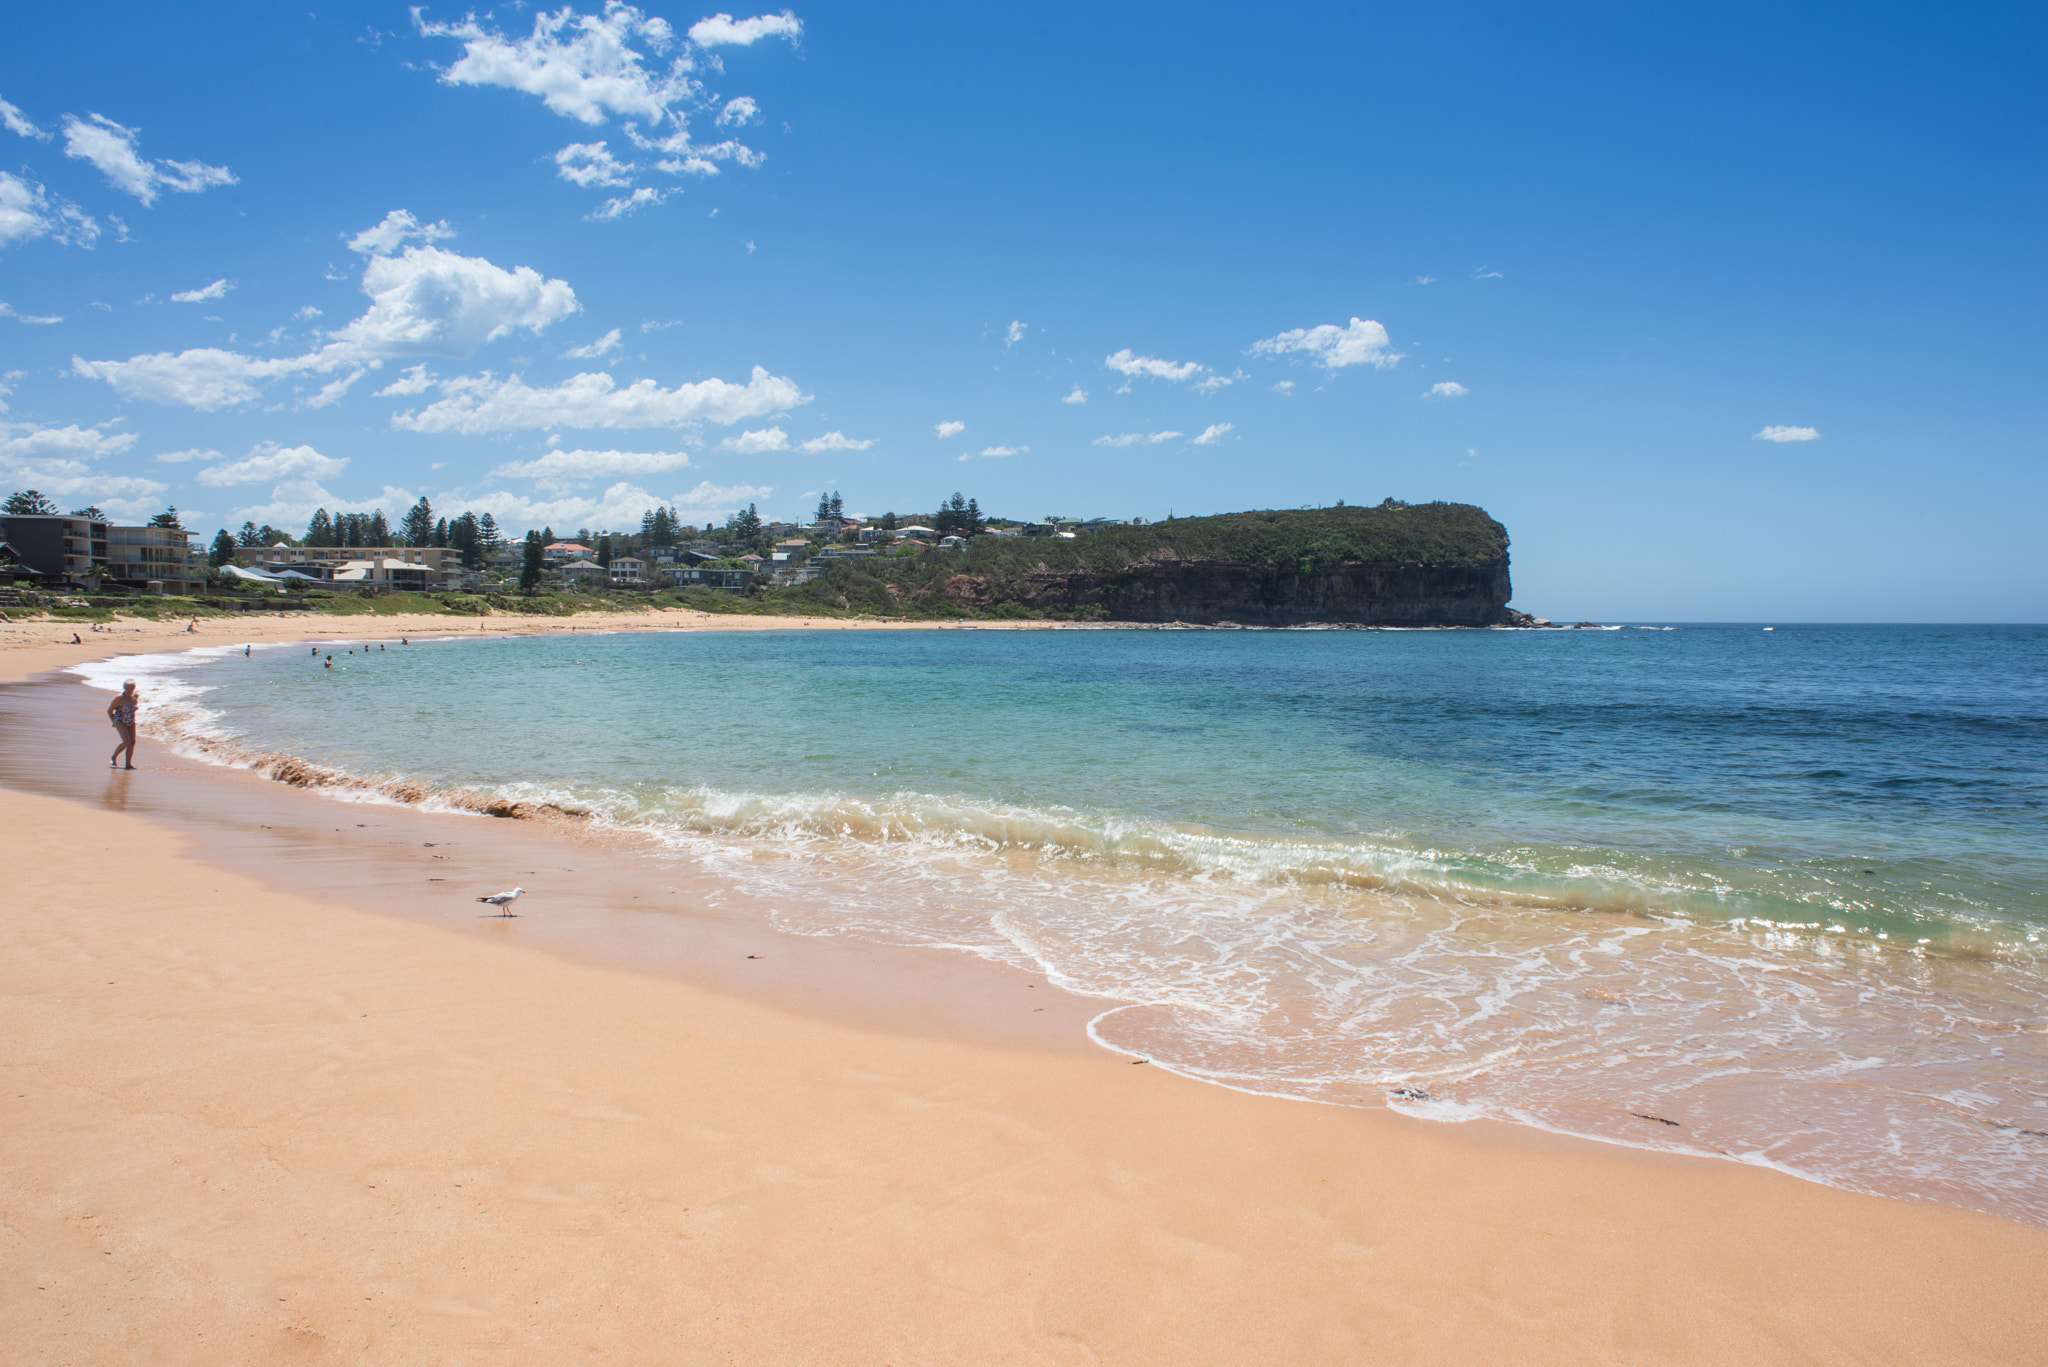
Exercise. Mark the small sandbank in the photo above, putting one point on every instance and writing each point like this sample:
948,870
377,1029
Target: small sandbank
255,1124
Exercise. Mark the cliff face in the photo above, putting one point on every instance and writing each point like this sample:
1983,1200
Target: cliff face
1212,591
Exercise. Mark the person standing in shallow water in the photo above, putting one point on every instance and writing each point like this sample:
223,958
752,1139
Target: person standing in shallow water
121,712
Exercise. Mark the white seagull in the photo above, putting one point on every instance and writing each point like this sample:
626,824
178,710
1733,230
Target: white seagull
503,901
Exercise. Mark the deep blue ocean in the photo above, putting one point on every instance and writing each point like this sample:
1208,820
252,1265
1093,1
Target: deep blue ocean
1784,888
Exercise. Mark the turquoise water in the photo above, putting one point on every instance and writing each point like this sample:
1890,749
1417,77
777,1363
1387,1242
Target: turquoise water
1785,888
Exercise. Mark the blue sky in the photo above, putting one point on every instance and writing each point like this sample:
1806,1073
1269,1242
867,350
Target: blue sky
1566,262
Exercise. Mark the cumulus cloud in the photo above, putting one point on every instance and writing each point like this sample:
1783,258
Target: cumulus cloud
18,122
591,351
415,379
754,443
1364,342
58,461
1078,395
1136,439
1789,434
217,290
1126,363
723,30
836,441
424,301
8,310
591,163
950,428
28,211
269,463
1446,389
395,230
618,206
112,149
739,112
583,66
484,403
1213,433
568,469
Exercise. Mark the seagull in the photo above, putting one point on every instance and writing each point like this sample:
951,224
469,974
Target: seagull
503,901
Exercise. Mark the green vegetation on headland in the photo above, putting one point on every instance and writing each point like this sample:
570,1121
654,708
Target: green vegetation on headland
1421,564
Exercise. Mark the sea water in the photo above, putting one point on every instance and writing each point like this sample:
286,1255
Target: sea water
1778,895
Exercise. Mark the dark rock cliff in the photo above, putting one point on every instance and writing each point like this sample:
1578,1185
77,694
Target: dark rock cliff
1205,592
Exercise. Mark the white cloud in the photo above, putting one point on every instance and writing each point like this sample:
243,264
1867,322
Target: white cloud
1446,389
583,66
754,443
1079,395
1789,434
591,351
397,228
195,453
618,206
217,290
1136,439
483,403
591,163
723,29
111,147
8,310
412,380
558,470
1131,365
1015,333
739,112
836,441
1364,342
426,301
56,460
1213,433
269,463
18,122
950,428
28,211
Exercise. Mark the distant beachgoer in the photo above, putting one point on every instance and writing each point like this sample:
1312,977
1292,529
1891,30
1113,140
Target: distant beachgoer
121,712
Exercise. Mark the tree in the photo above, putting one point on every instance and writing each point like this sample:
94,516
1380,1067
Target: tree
320,529
28,503
90,510
529,569
417,527
168,518
223,551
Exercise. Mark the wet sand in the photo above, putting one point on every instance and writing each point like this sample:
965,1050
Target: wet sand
277,1090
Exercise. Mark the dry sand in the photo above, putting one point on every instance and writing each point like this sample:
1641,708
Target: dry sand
243,1126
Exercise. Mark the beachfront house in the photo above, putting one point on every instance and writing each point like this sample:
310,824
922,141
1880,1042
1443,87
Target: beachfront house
87,552
629,569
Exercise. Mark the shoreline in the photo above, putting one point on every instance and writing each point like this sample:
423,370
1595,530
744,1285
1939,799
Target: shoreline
1565,1220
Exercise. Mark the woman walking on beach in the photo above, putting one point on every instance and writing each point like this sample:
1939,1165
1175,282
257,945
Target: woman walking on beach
121,712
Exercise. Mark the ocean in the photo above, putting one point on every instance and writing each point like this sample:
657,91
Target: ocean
1775,894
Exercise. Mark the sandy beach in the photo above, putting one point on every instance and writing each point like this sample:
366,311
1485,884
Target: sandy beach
251,1124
